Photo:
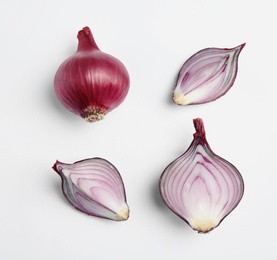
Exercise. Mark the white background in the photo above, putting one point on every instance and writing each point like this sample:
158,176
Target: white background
142,136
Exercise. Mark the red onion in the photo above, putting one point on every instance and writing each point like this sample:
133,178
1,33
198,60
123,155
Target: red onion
207,75
91,83
201,187
95,187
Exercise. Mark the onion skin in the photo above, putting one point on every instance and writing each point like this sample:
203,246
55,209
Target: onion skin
201,187
91,83
95,187
206,76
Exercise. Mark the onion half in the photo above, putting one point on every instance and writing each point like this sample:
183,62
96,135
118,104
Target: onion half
207,75
201,187
95,187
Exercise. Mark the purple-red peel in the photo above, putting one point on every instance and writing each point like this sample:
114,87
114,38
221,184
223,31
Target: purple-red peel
201,187
207,75
95,187
91,83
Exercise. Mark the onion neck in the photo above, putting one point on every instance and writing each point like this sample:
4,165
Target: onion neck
200,129
86,40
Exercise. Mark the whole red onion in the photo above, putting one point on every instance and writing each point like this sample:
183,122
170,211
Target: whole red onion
91,83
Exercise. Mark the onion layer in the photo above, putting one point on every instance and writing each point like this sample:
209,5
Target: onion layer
207,75
95,187
91,83
201,187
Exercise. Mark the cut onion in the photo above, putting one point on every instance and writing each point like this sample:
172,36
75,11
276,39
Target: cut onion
201,187
207,75
95,187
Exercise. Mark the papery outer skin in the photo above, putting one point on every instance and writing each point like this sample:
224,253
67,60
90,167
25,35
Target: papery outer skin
91,83
95,187
201,187
207,75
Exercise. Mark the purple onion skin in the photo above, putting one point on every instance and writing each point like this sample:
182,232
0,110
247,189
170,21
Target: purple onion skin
201,187
206,76
91,83
95,187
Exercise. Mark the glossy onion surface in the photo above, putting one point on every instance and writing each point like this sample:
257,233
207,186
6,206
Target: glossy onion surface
207,75
91,83
201,187
95,187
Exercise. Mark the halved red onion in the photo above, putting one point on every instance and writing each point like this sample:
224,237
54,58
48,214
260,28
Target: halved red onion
207,75
95,187
199,186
